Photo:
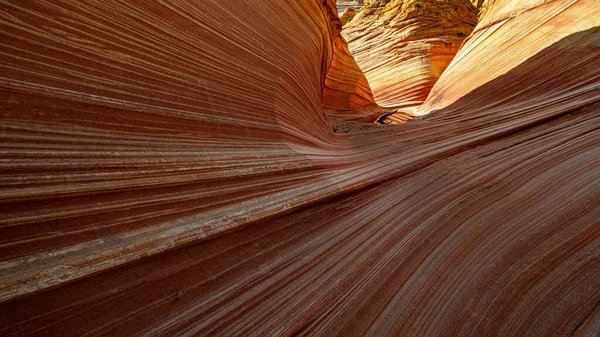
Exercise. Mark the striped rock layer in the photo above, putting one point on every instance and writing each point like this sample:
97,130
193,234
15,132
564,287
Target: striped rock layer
347,95
478,3
170,170
403,46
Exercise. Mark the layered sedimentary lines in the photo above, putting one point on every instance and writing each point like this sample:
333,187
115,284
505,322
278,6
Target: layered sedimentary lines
132,135
347,94
558,33
403,46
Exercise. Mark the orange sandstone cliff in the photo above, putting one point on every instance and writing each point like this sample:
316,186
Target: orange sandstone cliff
558,35
403,46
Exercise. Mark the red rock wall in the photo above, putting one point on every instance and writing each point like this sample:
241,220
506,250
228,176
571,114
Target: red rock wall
148,124
170,170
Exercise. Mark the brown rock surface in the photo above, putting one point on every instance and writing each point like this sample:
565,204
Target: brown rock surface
403,46
169,170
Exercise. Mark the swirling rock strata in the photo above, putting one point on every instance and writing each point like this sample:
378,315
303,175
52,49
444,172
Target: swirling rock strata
510,32
170,170
403,46
347,94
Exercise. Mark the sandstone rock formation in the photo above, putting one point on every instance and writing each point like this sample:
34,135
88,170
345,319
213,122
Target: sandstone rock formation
403,46
478,3
346,95
347,16
168,169
508,34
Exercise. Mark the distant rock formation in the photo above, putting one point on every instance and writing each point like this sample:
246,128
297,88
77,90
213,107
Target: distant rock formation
478,3
403,46
348,15
343,5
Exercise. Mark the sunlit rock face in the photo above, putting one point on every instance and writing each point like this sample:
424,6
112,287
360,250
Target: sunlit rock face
508,34
403,46
478,3
347,16
169,169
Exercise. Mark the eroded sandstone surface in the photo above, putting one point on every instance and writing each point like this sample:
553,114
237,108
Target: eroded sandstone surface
169,169
347,15
346,93
403,46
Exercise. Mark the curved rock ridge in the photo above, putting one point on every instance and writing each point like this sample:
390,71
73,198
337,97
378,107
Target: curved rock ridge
169,170
403,46
347,94
510,33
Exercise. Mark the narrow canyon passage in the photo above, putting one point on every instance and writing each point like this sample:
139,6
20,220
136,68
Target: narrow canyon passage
404,46
169,169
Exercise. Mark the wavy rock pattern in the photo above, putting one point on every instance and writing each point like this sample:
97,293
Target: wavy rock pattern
170,170
347,94
510,32
403,46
